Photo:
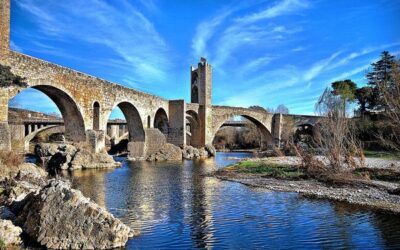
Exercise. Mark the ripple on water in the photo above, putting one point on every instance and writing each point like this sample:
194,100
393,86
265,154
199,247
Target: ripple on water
175,206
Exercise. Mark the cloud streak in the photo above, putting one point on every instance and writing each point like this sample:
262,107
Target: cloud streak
124,30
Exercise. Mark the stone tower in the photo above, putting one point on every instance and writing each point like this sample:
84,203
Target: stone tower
4,28
201,91
201,83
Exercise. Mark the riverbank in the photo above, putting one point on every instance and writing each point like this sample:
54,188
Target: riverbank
372,189
40,210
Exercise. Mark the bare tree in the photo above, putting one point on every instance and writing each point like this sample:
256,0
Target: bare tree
282,109
335,134
390,93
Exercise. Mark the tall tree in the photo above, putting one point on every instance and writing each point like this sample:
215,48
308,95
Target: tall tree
363,96
346,91
380,75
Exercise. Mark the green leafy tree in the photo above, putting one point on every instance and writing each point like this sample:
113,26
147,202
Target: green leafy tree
8,79
380,75
346,90
363,96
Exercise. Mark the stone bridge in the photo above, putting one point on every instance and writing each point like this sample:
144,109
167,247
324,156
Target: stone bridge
86,102
24,130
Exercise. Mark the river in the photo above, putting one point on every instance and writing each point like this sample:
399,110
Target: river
176,207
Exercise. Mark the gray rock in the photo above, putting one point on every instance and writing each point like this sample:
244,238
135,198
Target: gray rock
85,159
65,156
28,179
168,152
211,150
10,233
59,217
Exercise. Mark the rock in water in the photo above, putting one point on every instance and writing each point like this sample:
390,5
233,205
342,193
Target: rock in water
168,152
64,156
10,234
211,150
84,159
59,217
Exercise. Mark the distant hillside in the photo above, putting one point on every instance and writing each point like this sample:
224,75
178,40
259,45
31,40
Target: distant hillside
15,114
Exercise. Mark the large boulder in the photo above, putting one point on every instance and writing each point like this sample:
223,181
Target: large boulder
168,152
65,156
190,152
59,217
10,234
85,159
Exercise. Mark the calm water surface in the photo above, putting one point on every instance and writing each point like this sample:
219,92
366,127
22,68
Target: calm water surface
176,207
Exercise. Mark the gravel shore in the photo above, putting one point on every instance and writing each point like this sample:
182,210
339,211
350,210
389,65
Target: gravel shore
374,194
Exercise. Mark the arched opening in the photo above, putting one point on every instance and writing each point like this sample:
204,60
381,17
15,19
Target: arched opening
96,116
242,132
39,106
192,129
195,94
161,121
125,130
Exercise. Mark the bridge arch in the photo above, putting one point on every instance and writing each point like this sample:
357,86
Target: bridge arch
69,109
50,129
133,120
266,138
161,121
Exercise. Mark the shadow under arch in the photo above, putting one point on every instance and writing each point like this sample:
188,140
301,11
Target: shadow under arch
161,121
133,120
266,139
72,116
193,135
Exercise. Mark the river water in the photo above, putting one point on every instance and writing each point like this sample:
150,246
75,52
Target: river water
176,207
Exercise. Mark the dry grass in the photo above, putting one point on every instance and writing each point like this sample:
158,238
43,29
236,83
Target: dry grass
11,158
9,162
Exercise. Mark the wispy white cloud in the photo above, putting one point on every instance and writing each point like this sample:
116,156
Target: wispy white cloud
125,31
298,48
204,31
319,66
278,9
244,31
368,50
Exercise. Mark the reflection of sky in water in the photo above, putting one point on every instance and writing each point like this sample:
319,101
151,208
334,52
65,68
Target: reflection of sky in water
175,206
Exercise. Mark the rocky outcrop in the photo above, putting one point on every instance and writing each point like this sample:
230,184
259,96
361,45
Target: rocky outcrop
171,152
65,156
189,152
168,152
59,217
28,179
10,234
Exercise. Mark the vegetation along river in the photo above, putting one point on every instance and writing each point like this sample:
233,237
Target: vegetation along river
175,206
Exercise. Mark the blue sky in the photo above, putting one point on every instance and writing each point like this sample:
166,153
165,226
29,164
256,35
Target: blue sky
263,52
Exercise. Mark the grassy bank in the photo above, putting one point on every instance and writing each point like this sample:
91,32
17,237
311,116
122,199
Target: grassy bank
387,155
272,170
